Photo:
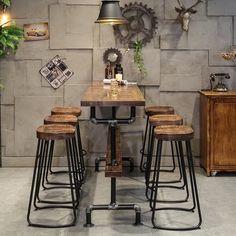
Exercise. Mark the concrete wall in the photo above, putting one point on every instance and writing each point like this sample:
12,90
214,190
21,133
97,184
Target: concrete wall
178,64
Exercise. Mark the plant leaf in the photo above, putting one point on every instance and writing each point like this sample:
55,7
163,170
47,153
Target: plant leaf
3,40
10,37
6,2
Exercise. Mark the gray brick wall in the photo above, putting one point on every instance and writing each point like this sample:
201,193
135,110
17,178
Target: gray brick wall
178,64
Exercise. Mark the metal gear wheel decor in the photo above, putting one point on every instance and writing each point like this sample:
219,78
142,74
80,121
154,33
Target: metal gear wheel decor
112,56
142,24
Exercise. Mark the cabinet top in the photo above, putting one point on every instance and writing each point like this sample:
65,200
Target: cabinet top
210,93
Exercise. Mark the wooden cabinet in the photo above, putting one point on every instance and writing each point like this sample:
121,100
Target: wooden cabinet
218,131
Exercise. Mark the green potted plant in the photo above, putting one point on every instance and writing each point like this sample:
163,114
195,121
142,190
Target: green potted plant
138,57
10,35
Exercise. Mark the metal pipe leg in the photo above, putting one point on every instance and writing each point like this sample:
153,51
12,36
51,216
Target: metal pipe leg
89,217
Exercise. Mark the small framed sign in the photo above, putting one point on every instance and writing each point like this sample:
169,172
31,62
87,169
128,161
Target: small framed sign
37,31
56,72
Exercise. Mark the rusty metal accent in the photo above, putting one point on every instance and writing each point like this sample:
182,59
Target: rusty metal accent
142,24
112,56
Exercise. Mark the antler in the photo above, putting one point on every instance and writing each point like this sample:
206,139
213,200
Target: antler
194,5
180,4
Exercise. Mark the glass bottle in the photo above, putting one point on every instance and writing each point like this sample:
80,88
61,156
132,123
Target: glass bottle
108,71
118,71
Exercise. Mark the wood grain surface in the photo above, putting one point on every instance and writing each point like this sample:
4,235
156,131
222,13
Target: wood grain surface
158,120
218,131
113,171
61,119
99,94
174,132
55,132
76,111
217,94
158,110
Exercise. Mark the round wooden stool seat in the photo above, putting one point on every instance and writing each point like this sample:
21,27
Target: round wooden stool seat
159,110
76,111
55,132
173,132
61,119
158,120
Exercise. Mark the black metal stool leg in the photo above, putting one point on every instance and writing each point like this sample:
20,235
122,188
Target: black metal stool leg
165,184
42,146
38,152
76,161
195,190
142,151
49,164
69,159
183,168
76,170
82,153
47,157
149,161
40,171
80,149
154,188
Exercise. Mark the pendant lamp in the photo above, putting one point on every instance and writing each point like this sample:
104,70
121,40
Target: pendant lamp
110,13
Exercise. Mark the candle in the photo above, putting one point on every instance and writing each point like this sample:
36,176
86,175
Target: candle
118,77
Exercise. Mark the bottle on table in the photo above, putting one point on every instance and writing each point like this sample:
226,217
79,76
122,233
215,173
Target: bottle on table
118,71
108,71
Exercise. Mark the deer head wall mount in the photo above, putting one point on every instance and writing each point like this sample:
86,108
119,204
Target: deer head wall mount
185,13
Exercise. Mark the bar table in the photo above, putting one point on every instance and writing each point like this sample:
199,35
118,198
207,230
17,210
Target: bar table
100,95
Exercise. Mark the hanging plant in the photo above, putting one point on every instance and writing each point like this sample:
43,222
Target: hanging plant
138,57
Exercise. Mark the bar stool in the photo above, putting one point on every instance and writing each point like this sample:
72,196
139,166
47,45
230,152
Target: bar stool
178,134
47,134
155,121
150,111
69,120
76,111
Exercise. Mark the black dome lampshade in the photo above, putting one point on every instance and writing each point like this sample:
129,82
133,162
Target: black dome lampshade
110,13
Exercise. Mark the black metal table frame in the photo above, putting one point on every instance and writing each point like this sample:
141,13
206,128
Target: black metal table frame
113,205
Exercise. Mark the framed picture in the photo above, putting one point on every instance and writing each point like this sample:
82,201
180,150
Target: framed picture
56,72
38,31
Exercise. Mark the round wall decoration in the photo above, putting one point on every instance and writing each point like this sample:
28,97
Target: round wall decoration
142,24
112,56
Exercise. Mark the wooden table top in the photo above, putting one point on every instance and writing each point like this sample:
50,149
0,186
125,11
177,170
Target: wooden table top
99,94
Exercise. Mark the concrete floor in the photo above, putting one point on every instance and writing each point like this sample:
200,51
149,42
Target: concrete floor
217,196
